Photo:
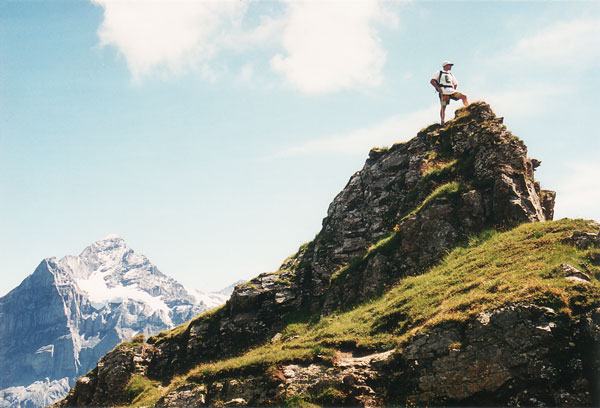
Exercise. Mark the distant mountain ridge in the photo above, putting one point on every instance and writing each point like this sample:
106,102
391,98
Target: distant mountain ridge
62,318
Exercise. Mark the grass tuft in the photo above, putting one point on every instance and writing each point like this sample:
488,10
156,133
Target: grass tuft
141,391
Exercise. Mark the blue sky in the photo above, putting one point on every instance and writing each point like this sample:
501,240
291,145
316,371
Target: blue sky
212,135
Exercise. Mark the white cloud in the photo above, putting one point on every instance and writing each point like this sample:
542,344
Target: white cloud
332,45
266,34
166,35
578,191
574,43
246,73
397,128
319,46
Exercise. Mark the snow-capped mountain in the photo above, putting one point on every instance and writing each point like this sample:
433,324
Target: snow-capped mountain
38,394
214,299
62,318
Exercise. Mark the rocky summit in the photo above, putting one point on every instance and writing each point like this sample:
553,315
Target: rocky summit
436,279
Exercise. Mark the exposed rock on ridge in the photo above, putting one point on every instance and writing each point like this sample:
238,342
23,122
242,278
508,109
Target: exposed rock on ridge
415,201
518,355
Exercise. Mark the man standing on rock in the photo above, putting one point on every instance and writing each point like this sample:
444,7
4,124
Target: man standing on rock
445,83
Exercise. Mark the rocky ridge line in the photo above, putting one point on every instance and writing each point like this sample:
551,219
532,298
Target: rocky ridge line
422,197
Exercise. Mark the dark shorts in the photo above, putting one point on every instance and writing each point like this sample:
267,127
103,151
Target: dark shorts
446,100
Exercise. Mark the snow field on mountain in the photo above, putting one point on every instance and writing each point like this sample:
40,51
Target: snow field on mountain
100,294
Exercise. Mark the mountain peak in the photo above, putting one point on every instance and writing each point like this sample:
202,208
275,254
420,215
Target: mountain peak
107,253
109,243
69,312
111,237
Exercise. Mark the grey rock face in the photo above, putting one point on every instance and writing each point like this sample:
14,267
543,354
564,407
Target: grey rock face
583,240
70,312
517,355
37,338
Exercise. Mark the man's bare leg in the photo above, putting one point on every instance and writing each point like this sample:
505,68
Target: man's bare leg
443,112
464,100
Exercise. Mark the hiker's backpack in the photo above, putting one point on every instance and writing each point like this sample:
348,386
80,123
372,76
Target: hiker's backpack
445,80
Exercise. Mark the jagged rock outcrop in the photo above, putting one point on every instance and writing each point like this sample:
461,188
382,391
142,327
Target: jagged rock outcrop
70,312
517,355
355,375
419,199
112,373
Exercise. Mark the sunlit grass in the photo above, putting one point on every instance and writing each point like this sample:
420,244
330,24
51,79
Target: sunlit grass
141,391
492,270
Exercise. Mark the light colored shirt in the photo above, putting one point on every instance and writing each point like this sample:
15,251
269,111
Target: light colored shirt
447,81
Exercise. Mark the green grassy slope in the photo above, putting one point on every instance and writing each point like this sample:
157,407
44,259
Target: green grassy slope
493,269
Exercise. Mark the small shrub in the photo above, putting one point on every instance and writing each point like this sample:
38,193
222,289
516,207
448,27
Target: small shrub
537,234
297,400
331,396
479,239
